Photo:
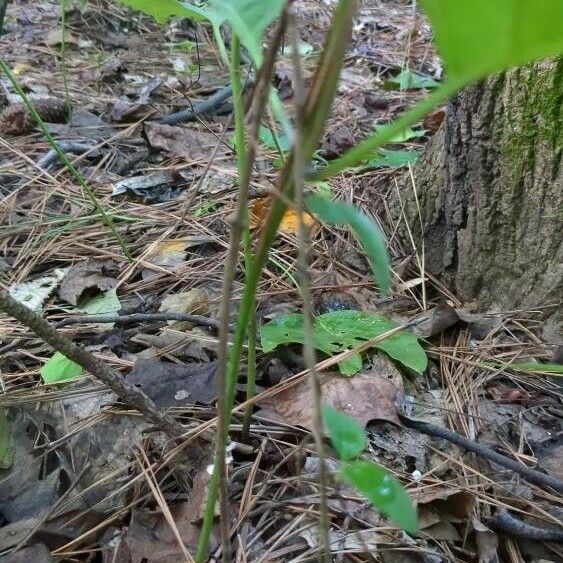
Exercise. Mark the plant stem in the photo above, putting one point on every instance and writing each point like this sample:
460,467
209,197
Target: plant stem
303,240
251,339
356,155
229,370
63,158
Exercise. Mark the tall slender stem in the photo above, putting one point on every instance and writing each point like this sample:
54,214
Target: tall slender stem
303,240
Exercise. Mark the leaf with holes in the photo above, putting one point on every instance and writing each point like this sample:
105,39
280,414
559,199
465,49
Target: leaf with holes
383,491
338,331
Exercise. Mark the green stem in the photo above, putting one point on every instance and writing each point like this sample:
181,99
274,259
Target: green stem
356,155
251,341
63,158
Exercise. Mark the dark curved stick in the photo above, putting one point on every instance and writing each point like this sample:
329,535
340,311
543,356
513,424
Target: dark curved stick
138,318
504,521
201,108
530,474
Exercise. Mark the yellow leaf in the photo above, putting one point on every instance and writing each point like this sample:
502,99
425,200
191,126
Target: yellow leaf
20,68
258,214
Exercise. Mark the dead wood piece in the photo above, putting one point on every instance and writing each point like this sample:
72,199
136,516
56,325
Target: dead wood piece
438,432
201,108
504,521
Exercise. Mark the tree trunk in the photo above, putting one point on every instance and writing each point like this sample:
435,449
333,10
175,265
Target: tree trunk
490,192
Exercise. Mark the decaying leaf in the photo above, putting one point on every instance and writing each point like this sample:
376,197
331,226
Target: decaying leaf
173,385
258,213
33,293
195,301
182,142
365,397
150,538
88,278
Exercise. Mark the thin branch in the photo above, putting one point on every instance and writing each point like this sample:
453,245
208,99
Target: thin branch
129,394
530,474
303,239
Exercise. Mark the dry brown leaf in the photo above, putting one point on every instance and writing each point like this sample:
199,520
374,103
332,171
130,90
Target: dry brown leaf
258,213
182,142
365,397
195,301
88,277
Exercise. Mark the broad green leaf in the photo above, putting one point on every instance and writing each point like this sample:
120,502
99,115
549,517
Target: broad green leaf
392,159
481,37
368,233
383,491
248,19
346,434
163,10
6,448
337,331
59,368
104,303
267,138
408,80
405,135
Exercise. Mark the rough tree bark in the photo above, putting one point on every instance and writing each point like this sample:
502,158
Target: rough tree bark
490,190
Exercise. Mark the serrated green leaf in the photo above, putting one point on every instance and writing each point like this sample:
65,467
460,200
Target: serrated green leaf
392,159
346,433
6,446
368,233
337,331
383,491
482,36
248,19
408,80
163,10
104,303
59,368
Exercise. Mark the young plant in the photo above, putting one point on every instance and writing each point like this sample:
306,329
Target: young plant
373,481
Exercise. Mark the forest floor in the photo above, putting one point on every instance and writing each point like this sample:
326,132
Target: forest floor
84,479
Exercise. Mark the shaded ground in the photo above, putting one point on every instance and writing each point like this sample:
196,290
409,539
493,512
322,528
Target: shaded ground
90,482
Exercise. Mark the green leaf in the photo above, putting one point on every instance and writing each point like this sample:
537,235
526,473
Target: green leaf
556,369
383,491
337,331
392,159
267,138
248,19
346,433
483,36
104,303
408,80
368,233
163,10
6,447
405,135
59,368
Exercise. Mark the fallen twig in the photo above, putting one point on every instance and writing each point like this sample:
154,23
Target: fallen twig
66,147
139,318
437,431
503,521
129,394
201,108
